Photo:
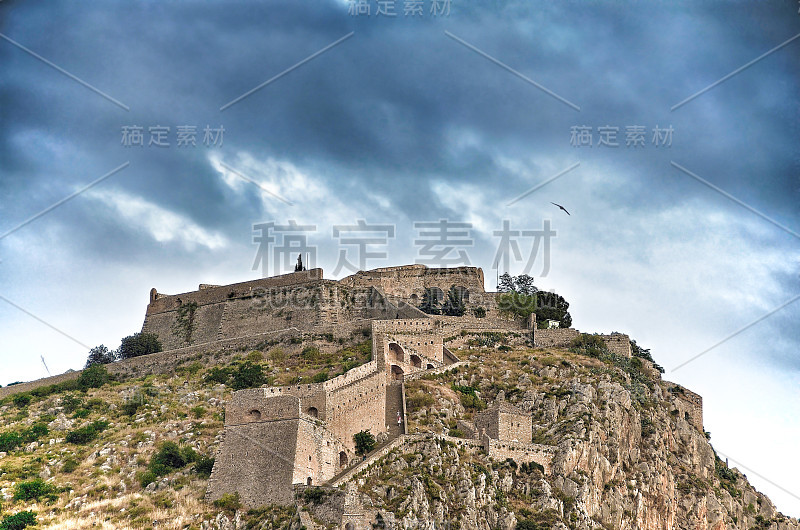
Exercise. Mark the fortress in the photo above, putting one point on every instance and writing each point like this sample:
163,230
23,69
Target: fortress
277,440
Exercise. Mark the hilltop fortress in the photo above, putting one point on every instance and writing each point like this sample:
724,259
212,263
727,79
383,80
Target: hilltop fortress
279,439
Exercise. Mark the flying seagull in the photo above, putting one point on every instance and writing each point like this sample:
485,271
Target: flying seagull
565,210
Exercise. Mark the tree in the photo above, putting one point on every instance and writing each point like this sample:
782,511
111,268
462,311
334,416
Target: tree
430,302
139,344
365,442
93,377
552,306
99,355
454,305
506,283
523,284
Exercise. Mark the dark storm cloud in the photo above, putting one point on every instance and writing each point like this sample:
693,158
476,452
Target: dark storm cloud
396,107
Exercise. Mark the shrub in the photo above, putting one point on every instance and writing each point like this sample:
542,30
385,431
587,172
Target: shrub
314,495
418,400
248,375
71,403
94,377
34,432
204,466
479,312
365,442
146,478
471,401
99,355
229,502
70,465
591,345
310,353
33,490
320,377
18,521
255,356
218,375
10,441
168,457
84,435
198,411
139,344
22,400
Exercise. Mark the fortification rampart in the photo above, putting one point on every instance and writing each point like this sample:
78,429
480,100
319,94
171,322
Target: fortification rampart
555,337
214,294
521,453
410,281
689,404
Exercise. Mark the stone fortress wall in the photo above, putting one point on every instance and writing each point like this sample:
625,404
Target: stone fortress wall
689,405
277,438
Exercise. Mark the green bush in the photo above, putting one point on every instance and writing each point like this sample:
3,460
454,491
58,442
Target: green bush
204,466
132,406
320,377
479,312
146,478
365,442
314,495
34,432
70,465
94,377
310,353
591,345
168,457
10,441
218,375
139,344
18,521
34,490
22,399
248,375
71,403
84,435
229,502
198,411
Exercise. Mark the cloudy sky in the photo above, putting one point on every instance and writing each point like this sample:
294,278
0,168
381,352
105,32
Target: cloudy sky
682,234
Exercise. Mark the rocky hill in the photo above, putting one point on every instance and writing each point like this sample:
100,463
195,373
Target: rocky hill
137,453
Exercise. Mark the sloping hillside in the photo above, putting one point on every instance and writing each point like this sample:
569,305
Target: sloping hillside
136,453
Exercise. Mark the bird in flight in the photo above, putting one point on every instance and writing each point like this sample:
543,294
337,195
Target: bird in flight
565,210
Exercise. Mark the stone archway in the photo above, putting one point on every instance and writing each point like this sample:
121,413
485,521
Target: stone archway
397,373
416,361
342,459
313,412
254,415
396,352
349,526
430,366
308,481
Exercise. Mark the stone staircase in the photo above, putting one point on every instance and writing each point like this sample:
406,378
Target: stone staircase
394,407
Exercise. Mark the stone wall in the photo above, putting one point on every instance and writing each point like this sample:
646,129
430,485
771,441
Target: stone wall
410,281
256,459
160,303
618,343
554,338
521,453
689,404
